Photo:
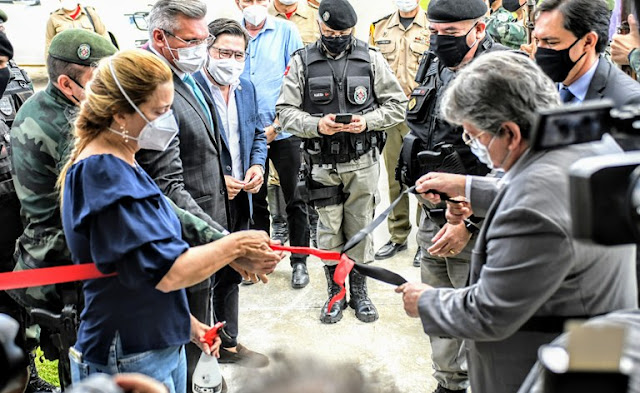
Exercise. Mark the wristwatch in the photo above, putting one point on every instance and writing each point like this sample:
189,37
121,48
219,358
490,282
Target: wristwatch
277,128
471,227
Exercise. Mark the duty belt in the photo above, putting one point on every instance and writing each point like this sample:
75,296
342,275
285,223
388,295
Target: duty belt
342,147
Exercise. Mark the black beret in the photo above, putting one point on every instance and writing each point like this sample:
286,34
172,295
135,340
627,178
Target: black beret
79,46
6,49
337,14
448,11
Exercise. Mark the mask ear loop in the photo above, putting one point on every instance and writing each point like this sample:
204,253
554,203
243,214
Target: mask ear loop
124,93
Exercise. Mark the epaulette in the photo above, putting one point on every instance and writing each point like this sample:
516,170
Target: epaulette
383,18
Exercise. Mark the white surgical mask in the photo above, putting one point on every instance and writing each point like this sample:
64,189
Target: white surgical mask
69,5
225,71
190,59
406,5
156,134
288,2
482,152
255,14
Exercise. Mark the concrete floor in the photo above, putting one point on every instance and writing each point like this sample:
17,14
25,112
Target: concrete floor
275,317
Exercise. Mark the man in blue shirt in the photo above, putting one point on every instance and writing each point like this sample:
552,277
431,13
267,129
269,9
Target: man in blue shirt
272,43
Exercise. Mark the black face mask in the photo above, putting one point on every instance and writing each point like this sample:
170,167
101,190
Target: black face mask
511,5
450,49
77,83
556,63
5,76
337,44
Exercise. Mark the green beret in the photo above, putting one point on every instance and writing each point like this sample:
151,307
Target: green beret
337,14
80,46
449,11
3,16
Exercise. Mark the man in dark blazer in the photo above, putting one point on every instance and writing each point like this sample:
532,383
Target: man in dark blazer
243,153
189,170
528,274
571,36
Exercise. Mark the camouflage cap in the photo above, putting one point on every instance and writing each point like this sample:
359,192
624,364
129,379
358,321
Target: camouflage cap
80,46
3,16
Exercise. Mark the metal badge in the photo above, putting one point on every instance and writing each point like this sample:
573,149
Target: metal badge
326,16
84,51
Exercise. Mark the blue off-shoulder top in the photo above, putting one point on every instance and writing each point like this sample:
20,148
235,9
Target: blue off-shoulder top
115,216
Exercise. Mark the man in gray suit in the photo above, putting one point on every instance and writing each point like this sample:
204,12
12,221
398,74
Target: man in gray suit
528,274
571,36
189,171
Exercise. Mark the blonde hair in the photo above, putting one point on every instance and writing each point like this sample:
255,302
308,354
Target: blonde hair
139,72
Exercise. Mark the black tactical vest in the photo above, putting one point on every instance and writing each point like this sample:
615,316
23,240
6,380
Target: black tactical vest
339,86
18,91
424,116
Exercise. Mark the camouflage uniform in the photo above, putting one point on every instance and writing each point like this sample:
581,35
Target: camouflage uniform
506,29
634,61
40,139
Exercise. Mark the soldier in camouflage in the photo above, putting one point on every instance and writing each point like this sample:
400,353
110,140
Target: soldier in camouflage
505,28
40,139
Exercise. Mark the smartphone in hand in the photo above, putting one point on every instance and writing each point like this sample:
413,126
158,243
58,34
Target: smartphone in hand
343,118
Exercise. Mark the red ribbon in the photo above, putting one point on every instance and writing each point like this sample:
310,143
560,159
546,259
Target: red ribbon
50,275
342,270
89,271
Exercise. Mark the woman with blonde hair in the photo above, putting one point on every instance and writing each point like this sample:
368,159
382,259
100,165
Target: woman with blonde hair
115,216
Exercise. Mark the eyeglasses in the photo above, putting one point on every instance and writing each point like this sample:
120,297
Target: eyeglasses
470,140
227,53
207,40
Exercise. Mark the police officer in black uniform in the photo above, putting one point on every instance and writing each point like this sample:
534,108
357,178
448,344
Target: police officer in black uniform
338,95
457,37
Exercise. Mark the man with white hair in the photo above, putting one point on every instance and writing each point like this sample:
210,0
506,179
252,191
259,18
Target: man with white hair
528,274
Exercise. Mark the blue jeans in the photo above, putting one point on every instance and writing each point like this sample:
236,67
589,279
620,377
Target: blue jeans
168,365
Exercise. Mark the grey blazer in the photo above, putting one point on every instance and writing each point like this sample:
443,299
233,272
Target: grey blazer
189,171
610,82
525,264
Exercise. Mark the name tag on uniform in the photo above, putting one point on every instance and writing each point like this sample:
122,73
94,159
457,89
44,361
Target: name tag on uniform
383,42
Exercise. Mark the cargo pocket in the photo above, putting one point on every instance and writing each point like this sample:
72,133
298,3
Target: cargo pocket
358,89
321,89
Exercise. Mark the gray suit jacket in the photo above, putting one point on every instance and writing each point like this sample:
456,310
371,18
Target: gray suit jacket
610,82
526,264
189,171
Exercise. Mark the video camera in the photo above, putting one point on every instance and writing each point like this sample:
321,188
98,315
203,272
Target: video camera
605,190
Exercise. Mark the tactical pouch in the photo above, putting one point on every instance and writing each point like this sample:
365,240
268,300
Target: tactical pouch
321,89
420,102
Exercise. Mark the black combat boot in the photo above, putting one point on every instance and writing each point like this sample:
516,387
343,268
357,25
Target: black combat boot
365,310
333,289
37,384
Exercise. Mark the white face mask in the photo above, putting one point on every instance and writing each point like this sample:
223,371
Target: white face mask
190,59
69,5
406,5
288,2
482,152
255,14
156,134
225,71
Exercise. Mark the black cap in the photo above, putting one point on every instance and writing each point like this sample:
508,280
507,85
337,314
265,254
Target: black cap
448,11
6,49
337,14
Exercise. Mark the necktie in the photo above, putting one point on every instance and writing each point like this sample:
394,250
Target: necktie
566,95
188,79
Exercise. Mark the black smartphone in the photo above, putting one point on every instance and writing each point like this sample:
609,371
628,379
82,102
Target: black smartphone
344,118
